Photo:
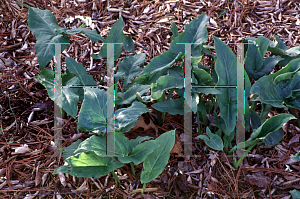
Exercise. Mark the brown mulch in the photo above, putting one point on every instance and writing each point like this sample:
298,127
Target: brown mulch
26,111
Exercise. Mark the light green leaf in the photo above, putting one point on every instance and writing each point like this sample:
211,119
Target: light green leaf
46,78
63,169
293,66
69,95
140,152
70,150
155,162
88,165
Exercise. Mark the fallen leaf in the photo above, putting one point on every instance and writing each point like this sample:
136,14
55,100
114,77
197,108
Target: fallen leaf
177,146
258,179
21,150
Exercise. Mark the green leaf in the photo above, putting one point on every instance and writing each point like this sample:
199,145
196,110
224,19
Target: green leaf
293,51
69,95
129,96
294,100
263,44
63,169
253,62
287,59
70,102
91,34
280,43
126,118
174,30
195,32
70,150
268,92
213,141
226,70
202,76
288,82
295,194
66,77
293,66
45,28
46,78
128,68
271,125
255,66
155,162
172,106
176,71
80,72
88,165
140,152
296,157
92,115
255,120
116,35
167,82
207,91
195,102
273,138
96,143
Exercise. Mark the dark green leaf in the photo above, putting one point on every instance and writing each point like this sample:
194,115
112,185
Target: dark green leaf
268,92
263,44
128,68
80,72
172,106
271,125
213,141
129,96
45,28
126,118
116,35
91,34
174,30
227,73
273,138
92,115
